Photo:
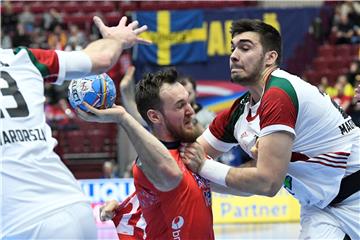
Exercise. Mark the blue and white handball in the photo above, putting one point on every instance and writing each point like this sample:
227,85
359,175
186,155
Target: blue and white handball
97,90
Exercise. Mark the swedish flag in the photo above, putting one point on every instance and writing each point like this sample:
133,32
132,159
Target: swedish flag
177,36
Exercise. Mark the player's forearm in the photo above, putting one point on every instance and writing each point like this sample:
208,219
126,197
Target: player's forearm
251,180
128,101
103,54
157,163
226,190
250,163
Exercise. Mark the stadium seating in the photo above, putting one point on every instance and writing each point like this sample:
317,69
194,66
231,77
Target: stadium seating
326,51
86,169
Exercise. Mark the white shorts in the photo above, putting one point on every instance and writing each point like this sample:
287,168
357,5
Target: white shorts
332,222
72,222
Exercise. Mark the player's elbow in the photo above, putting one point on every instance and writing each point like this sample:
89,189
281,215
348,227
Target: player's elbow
169,180
271,187
102,62
267,184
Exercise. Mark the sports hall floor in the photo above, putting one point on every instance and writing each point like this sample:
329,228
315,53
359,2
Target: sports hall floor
231,231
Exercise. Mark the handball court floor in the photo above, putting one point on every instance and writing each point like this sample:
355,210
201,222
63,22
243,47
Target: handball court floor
231,231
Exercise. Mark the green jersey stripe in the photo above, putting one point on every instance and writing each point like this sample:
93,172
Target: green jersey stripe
286,86
41,67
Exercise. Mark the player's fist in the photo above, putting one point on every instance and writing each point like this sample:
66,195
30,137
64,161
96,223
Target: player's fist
108,210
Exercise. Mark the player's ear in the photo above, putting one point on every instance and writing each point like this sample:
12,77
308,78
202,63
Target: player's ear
270,57
154,116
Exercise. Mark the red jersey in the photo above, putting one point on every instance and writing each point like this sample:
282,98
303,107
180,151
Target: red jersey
182,213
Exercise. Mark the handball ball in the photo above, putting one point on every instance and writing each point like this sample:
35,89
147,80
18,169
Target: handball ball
97,90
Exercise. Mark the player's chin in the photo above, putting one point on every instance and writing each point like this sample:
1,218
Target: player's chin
239,78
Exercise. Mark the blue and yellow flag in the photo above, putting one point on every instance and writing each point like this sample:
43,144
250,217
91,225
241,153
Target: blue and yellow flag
177,36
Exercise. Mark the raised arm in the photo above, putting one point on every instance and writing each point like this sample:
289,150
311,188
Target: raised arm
127,94
156,161
100,55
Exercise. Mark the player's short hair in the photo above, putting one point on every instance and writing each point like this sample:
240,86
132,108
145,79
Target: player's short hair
147,93
270,38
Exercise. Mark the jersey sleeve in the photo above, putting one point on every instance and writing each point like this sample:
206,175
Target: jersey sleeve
50,65
279,107
220,133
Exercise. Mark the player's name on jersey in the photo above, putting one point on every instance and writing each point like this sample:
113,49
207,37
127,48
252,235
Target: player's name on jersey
21,135
347,126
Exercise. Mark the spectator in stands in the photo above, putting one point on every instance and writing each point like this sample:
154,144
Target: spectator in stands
353,75
357,95
352,9
344,84
109,170
51,18
27,18
355,110
76,39
9,19
344,30
325,87
57,38
344,93
39,38
58,112
21,37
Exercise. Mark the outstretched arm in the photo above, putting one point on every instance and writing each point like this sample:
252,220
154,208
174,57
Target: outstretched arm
157,163
266,178
100,55
226,190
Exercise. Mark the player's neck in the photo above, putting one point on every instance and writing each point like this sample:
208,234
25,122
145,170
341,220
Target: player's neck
257,90
256,93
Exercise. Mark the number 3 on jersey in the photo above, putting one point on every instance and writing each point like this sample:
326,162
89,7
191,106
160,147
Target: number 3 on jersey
11,89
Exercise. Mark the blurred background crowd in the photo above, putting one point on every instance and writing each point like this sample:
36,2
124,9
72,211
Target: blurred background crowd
328,58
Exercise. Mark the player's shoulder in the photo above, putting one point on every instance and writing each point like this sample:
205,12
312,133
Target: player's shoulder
6,56
290,84
282,79
239,104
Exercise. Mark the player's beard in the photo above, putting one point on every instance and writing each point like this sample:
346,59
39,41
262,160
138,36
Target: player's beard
250,79
185,135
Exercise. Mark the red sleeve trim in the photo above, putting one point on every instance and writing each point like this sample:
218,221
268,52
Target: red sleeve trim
47,62
276,107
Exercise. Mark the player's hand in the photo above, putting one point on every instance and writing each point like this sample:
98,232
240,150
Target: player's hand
107,211
357,95
127,34
113,114
193,155
126,81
